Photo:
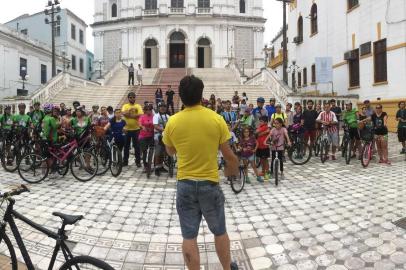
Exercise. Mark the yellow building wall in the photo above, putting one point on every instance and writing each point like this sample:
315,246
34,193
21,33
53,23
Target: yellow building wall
390,106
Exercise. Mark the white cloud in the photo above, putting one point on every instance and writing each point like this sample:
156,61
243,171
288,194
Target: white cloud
85,9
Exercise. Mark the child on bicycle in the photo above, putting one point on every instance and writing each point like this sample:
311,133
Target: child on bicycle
247,147
277,138
116,126
262,151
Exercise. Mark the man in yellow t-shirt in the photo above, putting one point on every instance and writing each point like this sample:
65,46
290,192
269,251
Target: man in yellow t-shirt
132,113
195,135
279,114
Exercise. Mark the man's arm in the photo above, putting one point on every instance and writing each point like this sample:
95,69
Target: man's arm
170,150
231,165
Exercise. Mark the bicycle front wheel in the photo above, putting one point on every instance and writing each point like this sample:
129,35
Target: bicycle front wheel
33,168
324,151
85,263
276,171
238,182
366,154
83,166
5,244
348,152
300,154
317,146
116,165
103,159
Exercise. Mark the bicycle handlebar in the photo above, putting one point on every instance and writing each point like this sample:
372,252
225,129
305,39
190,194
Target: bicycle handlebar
15,192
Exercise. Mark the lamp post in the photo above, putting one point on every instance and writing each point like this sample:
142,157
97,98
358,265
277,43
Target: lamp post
51,9
285,49
24,76
100,68
243,62
293,68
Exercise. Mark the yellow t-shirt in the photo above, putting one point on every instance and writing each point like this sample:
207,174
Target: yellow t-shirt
134,109
281,116
196,133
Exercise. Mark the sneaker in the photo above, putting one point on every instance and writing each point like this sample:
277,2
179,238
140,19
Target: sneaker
259,179
381,161
157,172
248,181
387,162
267,176
233,266
139,165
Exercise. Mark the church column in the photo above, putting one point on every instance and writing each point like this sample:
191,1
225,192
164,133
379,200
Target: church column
98,45
231,41
138,46
124,45
258,46
98,11
131,8
191,47
162,46
224,44
131,45
216,47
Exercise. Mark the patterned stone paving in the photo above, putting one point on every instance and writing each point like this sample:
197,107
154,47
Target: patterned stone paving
322,216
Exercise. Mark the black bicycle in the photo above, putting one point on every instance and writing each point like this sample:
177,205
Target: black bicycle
346,145
300,152
71,262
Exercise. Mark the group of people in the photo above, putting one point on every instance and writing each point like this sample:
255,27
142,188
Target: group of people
132,71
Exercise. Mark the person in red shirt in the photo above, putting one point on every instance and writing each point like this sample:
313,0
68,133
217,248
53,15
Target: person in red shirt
263,149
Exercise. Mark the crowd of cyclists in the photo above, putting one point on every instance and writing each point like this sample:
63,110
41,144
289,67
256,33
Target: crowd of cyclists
259,132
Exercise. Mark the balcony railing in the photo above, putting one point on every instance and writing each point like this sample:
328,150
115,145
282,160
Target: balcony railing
177,10
203,10
150,12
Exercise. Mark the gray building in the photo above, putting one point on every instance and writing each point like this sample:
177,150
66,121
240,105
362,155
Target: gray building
70,35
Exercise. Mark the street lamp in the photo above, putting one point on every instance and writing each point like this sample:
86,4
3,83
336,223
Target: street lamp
51,9
243,62
285,49
24,76
293,68
100,68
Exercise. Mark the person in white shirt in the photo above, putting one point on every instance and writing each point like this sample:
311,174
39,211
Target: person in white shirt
139,74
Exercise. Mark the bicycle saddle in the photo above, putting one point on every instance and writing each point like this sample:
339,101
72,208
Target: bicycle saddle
68,219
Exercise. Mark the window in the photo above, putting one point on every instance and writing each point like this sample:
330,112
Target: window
43,74
58,28
90,65
313,19
150,4
352,3
81,36
313,73
114,10
177,3
81,65
353,69
380,69
300,29
73,31
305,76
73,62
24,31
242,6
23,64
293,80
299,79
203,3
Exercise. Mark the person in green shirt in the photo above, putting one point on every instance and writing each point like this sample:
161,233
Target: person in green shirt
80,122
22,121
350,118
247,120
36,115
401,118
49,125
6,119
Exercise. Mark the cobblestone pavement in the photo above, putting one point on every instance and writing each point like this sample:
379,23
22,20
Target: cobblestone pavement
322,216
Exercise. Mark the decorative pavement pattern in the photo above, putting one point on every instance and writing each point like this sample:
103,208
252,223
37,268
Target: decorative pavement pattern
322,216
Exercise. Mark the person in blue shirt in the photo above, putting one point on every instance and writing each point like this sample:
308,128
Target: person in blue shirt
116,127
259,111
229,116
271,107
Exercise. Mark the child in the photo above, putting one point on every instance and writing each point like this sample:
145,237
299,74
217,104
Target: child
233,140
263,149
248,147
278,136
117,125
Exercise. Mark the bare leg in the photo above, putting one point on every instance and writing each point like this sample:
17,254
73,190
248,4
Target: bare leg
223,250
254,167
379,148
385,149
191,253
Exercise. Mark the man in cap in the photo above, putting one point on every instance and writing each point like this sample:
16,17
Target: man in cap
259,110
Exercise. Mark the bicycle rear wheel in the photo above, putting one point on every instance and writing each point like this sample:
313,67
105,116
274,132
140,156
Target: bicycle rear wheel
238,182
348,151
10,157
149,161
300,153
84,166
276,171
324,151
33,168
102,153
366,154
116,164
9,262
85,263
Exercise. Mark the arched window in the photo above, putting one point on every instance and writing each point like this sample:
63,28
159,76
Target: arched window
151,4
203,42
114,10
313,19
300,29
151,43
242,6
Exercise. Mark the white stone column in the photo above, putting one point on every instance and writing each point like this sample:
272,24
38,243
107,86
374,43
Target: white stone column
139,6
131,45
124,45
163,55
191,47
124,9
131,8
138,46
216,47
98,45
98,10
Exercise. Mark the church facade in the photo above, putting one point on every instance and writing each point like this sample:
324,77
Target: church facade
179,33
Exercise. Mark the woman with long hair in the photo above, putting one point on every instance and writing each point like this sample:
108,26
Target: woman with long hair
158,96
380,123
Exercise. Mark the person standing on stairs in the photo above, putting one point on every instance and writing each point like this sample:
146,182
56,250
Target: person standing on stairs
139,75
132,113
131,74
169,100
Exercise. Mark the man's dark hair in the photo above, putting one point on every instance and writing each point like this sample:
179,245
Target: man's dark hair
310,101
332,101
131,94
264,118
191,90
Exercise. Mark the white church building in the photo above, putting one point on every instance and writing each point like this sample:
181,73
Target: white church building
179,33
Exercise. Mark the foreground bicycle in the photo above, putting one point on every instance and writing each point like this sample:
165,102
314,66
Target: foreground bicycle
71,262
346,145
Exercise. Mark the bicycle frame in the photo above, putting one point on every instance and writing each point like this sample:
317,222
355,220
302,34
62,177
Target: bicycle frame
55,152
59,237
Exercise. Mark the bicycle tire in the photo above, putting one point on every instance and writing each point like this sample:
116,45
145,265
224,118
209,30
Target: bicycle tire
116,165
149,161
241,179
317,146
38,161
13,257
366,154
76,161
75,263
324,151
103,159
276,171
343,147
14,156
348,152
297,149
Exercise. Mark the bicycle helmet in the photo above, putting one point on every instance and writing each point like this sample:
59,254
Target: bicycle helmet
77,103
48,107
261,100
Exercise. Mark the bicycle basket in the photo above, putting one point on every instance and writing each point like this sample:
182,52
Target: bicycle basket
366,134
99,131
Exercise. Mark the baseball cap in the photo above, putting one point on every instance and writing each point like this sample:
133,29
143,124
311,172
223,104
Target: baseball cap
261,99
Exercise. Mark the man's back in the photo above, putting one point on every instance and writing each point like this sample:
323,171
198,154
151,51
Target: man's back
196,133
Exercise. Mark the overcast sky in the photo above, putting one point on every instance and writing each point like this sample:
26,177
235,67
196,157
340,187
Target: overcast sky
84,9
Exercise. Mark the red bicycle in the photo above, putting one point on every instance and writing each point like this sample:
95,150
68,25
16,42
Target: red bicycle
57,158
367,136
